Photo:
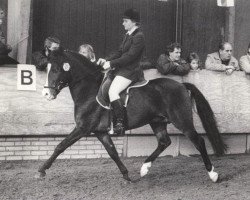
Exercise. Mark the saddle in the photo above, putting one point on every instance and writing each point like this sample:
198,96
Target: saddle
103,98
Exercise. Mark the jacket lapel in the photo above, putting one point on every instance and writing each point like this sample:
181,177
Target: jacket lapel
127,38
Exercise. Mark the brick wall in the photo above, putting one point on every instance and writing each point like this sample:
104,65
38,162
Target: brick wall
34,148
40,148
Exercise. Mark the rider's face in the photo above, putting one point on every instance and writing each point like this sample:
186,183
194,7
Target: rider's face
128,24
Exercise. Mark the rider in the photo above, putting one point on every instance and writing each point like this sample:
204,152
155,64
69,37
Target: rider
125,63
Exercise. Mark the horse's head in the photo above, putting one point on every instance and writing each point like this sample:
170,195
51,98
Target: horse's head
58,74
67,68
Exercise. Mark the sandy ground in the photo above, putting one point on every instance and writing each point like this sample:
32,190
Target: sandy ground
179,178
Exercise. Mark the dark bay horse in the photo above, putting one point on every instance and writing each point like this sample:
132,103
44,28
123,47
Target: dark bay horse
160,101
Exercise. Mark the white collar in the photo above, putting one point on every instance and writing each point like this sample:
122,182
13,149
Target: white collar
132,30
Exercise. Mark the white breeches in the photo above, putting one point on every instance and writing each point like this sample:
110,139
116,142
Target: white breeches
117,86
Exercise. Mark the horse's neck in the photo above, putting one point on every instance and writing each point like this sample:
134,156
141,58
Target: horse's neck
84,91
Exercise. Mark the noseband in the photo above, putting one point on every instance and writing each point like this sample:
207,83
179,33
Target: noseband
57,88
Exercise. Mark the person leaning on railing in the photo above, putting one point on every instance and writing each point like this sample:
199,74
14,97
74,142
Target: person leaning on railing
222,60
171,62
245,61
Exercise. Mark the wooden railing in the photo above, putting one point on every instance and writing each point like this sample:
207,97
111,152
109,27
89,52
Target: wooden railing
28,113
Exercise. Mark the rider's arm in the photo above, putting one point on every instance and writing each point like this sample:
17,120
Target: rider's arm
116,54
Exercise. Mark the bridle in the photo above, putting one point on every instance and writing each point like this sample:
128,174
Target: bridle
57,88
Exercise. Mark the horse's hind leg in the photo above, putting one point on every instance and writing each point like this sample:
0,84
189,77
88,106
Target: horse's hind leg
199,144
74,136
163,142
107,142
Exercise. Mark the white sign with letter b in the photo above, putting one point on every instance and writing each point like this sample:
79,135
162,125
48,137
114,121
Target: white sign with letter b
26,77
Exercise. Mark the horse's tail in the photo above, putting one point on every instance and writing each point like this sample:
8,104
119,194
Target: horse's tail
208,119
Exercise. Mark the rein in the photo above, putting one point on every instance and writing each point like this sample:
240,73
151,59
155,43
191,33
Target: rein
58,88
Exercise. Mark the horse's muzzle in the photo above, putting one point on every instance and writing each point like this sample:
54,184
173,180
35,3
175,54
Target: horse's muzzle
48,94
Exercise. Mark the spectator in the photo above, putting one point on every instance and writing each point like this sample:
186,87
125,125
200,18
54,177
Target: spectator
40,58
194,61
245,61
5,49
171,62
222,60
87,51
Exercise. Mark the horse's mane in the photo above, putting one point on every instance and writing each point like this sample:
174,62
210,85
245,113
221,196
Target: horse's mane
80,62
91,68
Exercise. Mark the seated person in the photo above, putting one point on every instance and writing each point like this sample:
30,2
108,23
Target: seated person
171,62
222,60
245,61
5,49
40,58
194,61
87,51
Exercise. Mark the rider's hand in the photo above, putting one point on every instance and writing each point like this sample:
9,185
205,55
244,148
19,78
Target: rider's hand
106,65
101,61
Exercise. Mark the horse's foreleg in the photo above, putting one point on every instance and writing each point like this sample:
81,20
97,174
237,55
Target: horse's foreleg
107,142
74,136
163,142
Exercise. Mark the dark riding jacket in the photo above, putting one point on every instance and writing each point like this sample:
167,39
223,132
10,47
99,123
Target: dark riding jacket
125,61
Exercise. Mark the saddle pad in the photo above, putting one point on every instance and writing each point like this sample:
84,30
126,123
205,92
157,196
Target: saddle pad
102,96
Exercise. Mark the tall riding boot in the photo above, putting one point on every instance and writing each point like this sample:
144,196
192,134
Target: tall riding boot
118,116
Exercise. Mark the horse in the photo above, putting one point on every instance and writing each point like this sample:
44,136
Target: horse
158,103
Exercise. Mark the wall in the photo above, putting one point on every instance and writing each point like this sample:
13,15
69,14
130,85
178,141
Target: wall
40,148
31,126
203,27
242,28
18,30
99,23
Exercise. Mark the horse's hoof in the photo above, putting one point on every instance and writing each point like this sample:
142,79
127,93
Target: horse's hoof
126,177
40,175
145,168
213,175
